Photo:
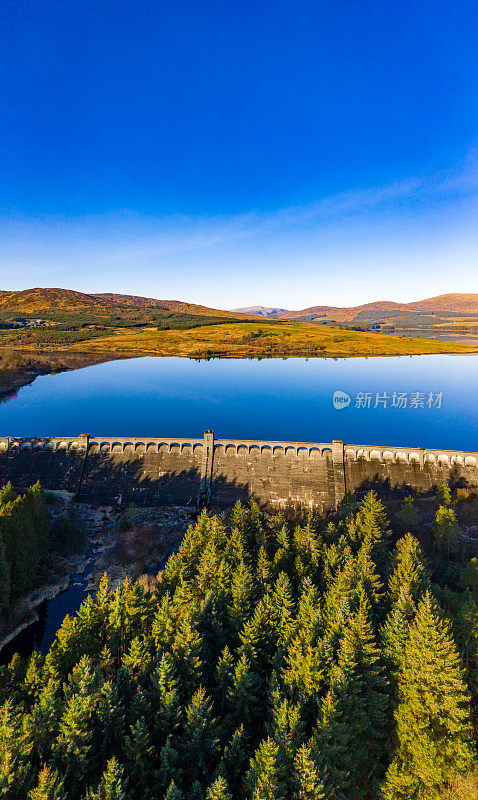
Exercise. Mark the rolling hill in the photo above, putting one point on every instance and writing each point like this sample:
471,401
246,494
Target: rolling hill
65,301
43,319
177,306
442,308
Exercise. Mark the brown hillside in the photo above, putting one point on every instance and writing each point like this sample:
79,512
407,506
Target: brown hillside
456,303
178,306
447,303
36,300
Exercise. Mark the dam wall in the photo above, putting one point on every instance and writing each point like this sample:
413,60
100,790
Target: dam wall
218,472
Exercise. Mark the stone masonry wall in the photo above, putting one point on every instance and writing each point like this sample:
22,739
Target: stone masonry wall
217,472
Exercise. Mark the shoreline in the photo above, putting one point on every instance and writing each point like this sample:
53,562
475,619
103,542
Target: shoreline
27,607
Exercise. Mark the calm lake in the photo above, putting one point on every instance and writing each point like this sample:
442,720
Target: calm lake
270,399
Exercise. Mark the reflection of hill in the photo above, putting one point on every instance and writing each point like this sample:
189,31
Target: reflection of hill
19,369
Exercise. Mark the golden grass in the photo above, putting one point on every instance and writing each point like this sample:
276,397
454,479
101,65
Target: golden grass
262,339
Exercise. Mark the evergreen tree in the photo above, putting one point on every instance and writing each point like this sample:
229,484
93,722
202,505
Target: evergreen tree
259,636
446,531
234,760
111,786
173,793
218,790
408,514
244,696
306,783
15,750
354,721
264,779
5,584
139,751
199,743
444,495
49,787
432,718
396,630
72,749
409,571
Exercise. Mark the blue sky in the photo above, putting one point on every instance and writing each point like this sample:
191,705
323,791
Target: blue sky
237,153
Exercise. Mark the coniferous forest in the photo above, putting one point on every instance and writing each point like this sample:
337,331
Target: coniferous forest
23,541
273,659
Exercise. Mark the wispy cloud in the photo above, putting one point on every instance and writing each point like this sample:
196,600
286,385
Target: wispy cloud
143,251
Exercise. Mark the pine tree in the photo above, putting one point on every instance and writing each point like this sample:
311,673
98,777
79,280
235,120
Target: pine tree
111,719
111,786
218,790
306,783
282,604
395,632
233,764
15,751
264,779
242,591
263,570
409,571
432,718
408,514
444,495
49,787
354,721
72,748
199,743
244,696
5,583
286,729
139,751
44,720
169,765
446,531
173,793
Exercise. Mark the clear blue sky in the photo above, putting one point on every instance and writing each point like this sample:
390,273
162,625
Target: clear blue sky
234,153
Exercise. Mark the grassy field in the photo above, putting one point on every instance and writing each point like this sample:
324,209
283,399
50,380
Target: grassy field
261,339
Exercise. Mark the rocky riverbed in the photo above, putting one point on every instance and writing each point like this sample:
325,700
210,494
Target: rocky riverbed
121,543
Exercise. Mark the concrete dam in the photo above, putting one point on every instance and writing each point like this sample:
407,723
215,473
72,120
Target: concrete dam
218,472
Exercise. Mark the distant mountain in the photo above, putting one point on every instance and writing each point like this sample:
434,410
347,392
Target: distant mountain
388,310
261,311
452,308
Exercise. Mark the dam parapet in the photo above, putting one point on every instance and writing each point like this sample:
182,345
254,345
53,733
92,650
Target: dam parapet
218,472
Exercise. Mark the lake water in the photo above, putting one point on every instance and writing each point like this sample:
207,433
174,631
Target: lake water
287,399
269,399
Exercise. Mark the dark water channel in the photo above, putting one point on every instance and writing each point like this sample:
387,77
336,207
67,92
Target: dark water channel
51,614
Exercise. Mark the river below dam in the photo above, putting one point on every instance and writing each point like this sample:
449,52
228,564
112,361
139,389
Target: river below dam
417,401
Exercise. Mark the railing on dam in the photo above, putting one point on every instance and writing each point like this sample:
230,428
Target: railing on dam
276,448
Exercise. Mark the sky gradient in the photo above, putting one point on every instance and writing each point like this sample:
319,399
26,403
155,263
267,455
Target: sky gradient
240,153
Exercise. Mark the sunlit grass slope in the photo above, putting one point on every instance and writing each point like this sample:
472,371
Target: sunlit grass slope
266,339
